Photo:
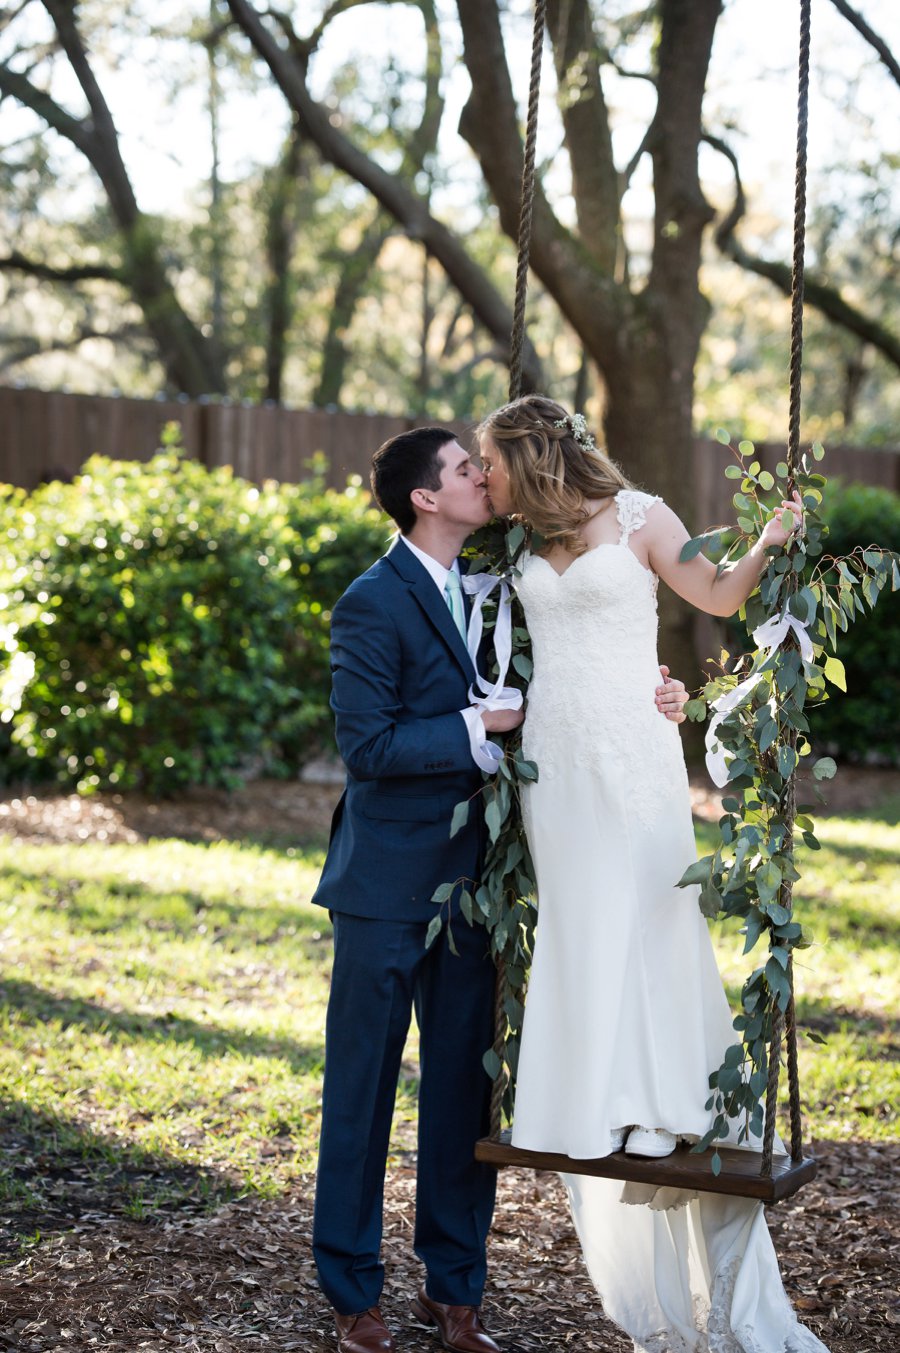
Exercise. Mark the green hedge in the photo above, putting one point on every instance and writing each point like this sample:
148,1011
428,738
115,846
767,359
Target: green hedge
177,618
864,725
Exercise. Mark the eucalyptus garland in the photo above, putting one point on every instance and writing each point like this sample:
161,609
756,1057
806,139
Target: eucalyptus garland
761,734
763,731
504,898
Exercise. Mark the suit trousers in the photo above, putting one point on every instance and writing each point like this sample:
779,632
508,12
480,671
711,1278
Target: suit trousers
382,971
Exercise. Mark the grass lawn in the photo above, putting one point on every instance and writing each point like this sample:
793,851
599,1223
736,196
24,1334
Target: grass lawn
162,1011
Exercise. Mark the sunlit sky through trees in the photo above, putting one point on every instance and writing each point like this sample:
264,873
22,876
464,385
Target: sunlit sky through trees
752,87
154,72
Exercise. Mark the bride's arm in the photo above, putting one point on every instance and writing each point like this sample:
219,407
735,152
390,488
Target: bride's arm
664,535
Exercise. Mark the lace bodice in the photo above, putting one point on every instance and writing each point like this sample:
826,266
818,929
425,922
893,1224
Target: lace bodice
593,630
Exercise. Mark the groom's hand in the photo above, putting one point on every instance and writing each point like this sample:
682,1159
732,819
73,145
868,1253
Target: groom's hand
671,697
501,720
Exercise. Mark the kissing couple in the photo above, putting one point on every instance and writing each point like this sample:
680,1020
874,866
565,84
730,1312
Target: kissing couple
626,1014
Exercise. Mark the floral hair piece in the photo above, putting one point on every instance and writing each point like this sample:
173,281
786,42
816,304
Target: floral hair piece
577,425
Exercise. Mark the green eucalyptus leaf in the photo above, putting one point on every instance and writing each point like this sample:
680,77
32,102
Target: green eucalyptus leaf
691,548
493,818
768,735
434,929
697,872
787,761
834,672
491,1063
825,768
710,901
523,665
460,817
515,539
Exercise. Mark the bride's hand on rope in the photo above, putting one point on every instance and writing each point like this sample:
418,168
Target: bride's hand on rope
774,533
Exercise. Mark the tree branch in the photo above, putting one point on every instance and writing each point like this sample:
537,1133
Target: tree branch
190,363
589,297
409,209
586,121
681,211
102,142
31,347
826,299
856,19
20,88
86,272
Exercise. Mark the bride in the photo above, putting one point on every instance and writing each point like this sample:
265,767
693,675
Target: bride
626,1014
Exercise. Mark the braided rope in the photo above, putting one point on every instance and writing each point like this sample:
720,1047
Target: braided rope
788,1023
793,1075
516,353
772,1095
499,1043
517,337
797,261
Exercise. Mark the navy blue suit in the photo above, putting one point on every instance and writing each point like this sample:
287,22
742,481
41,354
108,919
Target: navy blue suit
401,675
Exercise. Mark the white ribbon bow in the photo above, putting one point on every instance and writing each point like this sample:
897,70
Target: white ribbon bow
482,694
770,635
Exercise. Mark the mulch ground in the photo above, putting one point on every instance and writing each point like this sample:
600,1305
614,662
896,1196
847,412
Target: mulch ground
241,1278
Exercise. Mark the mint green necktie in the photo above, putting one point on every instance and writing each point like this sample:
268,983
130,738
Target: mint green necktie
453,597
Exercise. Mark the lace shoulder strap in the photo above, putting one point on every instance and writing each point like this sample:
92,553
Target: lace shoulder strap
632,507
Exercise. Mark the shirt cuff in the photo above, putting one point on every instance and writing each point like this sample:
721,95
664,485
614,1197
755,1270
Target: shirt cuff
486,755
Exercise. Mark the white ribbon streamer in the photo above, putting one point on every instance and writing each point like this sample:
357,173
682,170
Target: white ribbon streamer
716,763
484,696
770,635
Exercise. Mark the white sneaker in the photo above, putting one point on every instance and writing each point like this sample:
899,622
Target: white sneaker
650,1142
617,1138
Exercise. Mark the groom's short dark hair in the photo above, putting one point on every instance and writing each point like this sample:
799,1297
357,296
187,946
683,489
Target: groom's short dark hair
406,462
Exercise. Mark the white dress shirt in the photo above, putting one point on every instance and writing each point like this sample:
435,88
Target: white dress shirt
471,716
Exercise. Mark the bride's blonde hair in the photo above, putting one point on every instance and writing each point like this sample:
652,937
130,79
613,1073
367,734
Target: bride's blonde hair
555,470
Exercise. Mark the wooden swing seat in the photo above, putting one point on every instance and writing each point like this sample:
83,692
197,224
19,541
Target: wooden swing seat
683,1169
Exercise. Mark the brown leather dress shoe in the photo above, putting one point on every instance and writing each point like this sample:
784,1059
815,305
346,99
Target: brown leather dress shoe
363,1333
460,1327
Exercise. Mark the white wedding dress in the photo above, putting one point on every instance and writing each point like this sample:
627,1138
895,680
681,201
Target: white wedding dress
626,1014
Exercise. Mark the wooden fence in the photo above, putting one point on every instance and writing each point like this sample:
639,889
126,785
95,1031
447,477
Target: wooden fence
48,435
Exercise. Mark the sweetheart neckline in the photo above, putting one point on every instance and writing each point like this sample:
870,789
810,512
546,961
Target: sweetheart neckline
601,545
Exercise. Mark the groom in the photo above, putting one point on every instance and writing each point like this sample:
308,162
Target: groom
408,737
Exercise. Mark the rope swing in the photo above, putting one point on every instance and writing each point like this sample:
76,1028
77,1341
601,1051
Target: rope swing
742,1173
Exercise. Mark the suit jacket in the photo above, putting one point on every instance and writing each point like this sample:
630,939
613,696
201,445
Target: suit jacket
400,675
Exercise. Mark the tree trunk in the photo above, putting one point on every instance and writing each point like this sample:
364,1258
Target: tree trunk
190,365
355,271
649,433
281,233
